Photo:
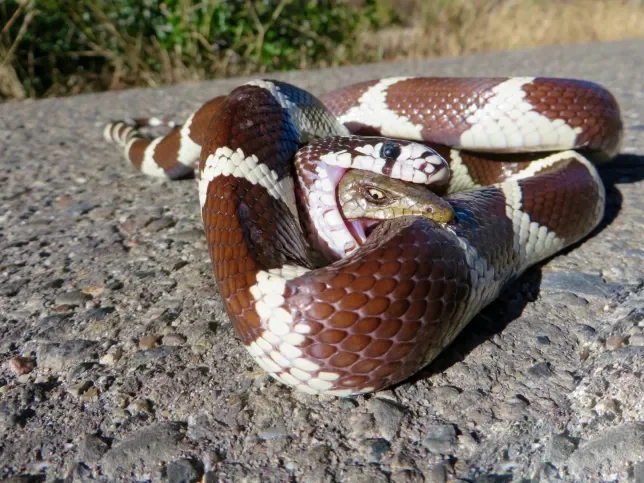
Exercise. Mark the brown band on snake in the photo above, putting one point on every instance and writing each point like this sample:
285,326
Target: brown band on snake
272,140
452,105
136,152
485,168
342,100
551,188
201,119
375,317
582,105
366,315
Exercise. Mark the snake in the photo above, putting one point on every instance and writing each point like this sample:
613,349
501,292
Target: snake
331,294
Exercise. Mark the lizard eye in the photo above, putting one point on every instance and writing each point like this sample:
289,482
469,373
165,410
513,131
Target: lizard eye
390,150
376,195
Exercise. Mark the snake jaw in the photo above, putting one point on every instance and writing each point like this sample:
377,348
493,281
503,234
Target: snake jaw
360,229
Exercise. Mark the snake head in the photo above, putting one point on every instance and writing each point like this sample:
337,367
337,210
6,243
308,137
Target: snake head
323,163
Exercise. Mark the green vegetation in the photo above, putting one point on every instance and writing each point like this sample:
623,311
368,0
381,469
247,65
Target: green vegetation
54,47
62,47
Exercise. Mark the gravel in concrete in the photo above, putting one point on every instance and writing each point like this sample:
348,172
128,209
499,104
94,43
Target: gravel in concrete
129,369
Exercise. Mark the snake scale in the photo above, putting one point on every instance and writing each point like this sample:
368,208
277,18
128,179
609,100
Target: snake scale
337,306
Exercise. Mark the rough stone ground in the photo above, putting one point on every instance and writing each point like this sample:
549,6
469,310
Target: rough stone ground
107,289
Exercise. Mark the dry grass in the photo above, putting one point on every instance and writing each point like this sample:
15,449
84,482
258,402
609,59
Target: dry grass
116,59
454,27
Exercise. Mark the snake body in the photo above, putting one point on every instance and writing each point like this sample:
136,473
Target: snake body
380,308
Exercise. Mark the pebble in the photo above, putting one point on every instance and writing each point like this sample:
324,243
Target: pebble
144,356
173,339
479,416
184,471
21,365
94,290
52,322
166,283
60,356
541,369
102,213
378,447
568,299
141,452
91,448
559,448
606,406
175,265
611,450
145,273
80,208
55,283
638,472
578,283
11,289
116,285
63,201
140,405
615,342
445,393
361,474
189,235
112,357
440,439
98,313
543,340
467,441
14,315
348,403
411,476
388,416
160,224
512,410
635,316
275,432
148,342
78,388
637,339
119,415
72,299
90,395
361,425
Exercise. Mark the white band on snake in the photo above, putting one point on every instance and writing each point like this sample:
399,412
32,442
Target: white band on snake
332,302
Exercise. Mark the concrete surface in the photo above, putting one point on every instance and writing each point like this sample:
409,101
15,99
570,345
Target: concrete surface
129,369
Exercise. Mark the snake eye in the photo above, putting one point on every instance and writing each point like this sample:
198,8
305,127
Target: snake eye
390,150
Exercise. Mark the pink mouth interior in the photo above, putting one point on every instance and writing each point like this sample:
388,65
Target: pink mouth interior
360,227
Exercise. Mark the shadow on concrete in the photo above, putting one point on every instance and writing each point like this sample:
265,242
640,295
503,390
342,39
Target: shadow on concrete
625,168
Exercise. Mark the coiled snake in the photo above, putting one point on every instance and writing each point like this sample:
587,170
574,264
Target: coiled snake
325,308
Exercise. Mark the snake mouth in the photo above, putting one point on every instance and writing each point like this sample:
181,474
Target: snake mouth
361,228
358,228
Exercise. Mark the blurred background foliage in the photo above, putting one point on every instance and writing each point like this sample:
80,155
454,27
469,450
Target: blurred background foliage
63,47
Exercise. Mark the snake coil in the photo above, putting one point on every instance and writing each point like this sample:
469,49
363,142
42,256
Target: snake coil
384,306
